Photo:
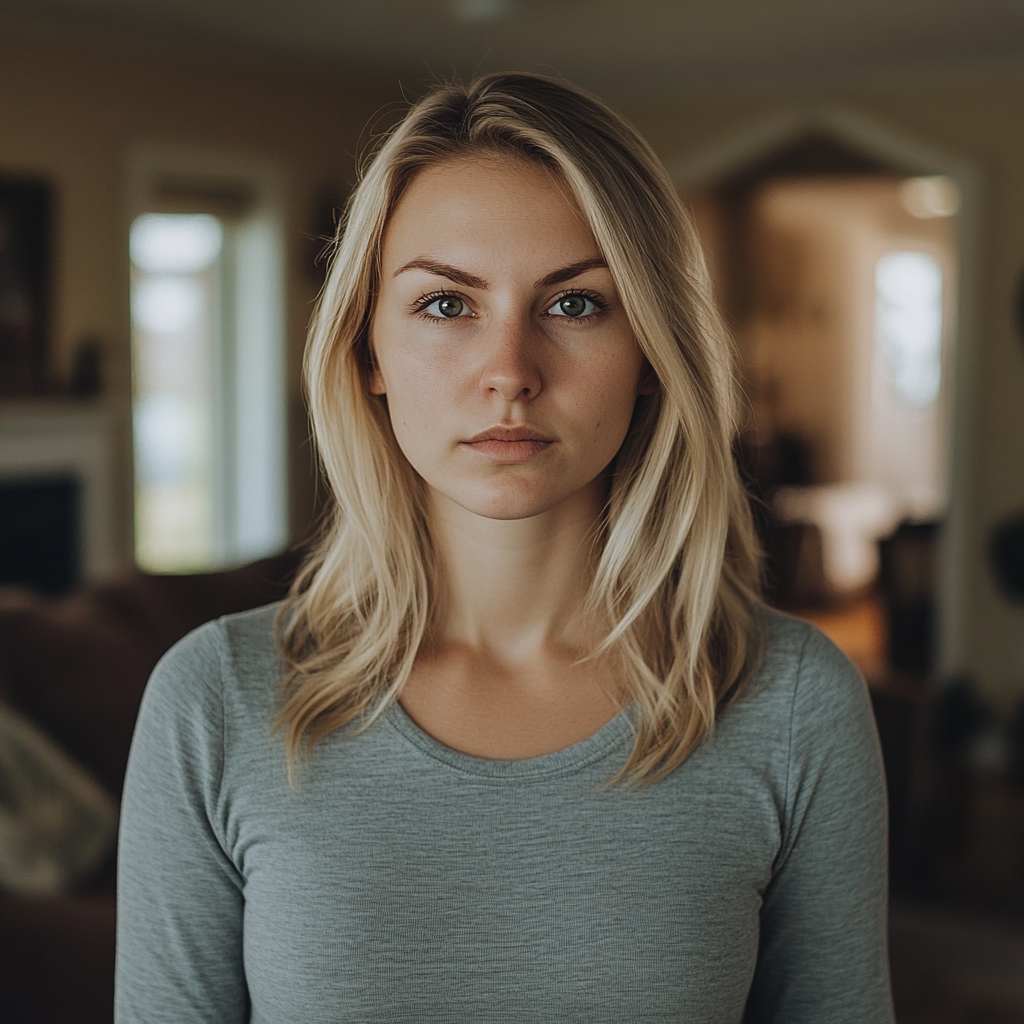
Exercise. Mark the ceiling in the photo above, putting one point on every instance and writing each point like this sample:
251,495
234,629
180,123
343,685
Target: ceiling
642,46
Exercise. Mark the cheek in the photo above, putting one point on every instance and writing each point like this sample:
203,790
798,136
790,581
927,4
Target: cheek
410,423
420,401
610,393
417,371
422,393
413,415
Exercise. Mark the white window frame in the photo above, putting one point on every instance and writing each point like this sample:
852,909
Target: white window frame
252,472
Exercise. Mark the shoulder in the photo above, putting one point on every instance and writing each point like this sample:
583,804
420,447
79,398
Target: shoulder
806,698
804,695
230,661
801,667
250,643
818,700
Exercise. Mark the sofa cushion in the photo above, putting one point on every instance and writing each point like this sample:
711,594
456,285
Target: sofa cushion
77,666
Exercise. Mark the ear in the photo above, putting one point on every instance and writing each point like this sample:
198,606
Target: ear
375,379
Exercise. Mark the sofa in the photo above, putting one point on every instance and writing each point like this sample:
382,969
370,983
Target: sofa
76,667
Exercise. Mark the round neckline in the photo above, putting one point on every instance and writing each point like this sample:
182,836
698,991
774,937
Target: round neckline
569,759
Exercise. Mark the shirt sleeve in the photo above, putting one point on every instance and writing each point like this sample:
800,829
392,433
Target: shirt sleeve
180,902
823,953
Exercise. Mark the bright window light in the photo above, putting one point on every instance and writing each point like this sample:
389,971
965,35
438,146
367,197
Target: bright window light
208,381
175,336
173,243
908,325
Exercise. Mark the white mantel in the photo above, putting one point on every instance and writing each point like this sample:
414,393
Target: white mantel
46,437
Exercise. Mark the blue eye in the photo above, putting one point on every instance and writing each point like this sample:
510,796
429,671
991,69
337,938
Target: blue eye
447,307
573,305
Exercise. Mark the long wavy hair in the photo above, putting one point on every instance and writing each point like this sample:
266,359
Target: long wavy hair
678,566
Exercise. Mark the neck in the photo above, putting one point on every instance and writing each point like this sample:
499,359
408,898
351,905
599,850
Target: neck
515,588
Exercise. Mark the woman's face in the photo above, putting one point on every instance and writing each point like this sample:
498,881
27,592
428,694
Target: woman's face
510,369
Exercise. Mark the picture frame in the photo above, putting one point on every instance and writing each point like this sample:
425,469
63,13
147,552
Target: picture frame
26,206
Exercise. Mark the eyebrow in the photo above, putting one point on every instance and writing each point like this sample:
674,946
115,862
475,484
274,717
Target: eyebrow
469,280
571,271
462,277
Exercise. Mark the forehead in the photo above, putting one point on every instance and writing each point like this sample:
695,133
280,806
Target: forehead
482,205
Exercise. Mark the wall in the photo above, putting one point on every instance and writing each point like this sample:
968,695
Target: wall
73,116
981,120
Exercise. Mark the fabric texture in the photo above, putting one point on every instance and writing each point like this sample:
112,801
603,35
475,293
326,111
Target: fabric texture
406,882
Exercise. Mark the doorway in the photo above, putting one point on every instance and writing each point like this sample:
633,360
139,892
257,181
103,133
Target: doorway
837,273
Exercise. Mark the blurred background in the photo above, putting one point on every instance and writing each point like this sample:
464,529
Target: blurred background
169,174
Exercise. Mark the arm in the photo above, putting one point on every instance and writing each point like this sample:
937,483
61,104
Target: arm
180,903
823,950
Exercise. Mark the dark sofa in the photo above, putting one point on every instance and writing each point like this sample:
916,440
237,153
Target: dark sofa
77,667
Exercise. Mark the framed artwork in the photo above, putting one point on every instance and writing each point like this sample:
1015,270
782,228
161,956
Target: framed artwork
25,222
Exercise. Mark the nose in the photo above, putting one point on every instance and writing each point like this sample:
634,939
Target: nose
511,368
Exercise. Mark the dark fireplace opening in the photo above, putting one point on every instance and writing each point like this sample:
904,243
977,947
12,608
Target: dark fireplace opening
39,525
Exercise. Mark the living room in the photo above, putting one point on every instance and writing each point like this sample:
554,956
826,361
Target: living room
160,156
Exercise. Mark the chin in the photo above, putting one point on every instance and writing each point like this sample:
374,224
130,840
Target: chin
508,502
507,511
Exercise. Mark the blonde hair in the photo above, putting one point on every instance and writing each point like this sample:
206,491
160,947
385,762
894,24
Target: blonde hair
677,575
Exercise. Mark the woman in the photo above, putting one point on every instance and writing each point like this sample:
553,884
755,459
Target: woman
549,758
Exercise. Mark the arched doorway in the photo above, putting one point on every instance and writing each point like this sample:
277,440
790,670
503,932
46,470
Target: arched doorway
837,249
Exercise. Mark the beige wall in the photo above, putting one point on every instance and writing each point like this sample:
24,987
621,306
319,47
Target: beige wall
73,116
979,119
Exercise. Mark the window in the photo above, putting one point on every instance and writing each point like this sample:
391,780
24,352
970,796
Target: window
908,325
208,389
176,269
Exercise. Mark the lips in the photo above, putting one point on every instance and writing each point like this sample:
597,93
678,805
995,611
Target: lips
509,445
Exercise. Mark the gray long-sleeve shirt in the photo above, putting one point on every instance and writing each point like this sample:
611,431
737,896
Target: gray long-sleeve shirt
406,882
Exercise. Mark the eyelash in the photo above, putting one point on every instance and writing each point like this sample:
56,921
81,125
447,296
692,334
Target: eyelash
421,304
600,305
